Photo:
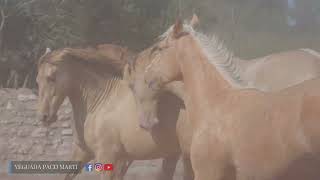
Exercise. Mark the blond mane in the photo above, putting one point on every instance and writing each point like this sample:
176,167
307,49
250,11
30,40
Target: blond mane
217,53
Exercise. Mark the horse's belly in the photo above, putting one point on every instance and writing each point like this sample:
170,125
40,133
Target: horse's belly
141,145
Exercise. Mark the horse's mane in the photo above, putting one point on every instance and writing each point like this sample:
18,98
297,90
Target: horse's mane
217,53
88,55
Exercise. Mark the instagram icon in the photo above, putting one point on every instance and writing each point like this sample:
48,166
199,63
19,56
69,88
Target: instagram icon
98,167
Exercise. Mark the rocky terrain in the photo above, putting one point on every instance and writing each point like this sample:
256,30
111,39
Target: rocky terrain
23,137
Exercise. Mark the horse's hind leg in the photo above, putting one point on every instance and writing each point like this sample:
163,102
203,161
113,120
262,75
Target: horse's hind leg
121,169
168,168
78,154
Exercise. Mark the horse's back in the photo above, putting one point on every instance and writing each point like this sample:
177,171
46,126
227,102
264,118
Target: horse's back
281,70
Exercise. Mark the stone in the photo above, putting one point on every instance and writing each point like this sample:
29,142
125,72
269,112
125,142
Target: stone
33,107
24,149
38,150
36,123
3,158
64,117
66,132
9,105
39,132
24,97
63,151
54,126
3,147
67,110
22,133
65,124
65,102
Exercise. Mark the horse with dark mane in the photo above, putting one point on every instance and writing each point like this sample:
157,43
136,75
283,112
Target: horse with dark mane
105,118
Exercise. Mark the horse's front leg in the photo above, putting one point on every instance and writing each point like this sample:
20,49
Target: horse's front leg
78,154
208,163
187,168
119,163
168,168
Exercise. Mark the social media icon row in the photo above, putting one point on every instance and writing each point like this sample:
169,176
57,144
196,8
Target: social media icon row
98,167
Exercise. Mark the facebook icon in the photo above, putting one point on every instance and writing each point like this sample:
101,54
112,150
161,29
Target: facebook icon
88,167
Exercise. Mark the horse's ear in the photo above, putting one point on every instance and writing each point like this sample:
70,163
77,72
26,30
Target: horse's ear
126,72
130,61
48,50
194,21
178,28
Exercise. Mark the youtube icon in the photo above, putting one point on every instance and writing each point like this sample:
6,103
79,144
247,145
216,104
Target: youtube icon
108,167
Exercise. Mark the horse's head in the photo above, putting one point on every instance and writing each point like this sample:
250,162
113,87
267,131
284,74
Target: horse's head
51,89
151,72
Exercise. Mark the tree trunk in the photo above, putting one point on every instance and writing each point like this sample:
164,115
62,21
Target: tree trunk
2,23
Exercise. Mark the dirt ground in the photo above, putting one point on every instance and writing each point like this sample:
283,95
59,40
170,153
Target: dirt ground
22,137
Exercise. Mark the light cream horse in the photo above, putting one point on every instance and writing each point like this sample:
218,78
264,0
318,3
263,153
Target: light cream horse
105,119
270,73
258,134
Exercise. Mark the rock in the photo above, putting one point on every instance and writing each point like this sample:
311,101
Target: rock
24,97
9,106
65,148
67,110
32,107
64,118
54,126
56,143
39,132
66,132
38,150
65,124
36,123
3,158
22,133
63,151
65,102
3,147
24,148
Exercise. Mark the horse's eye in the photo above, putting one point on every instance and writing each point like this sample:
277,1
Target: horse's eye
153,85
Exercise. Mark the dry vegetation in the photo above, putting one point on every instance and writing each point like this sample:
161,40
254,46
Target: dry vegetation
250,28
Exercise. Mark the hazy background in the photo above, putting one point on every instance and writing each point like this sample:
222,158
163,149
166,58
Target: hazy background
250,28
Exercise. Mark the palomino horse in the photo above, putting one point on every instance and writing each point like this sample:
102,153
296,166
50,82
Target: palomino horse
256,133
269,73
105,119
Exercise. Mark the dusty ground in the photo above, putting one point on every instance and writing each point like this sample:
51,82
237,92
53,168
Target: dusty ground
23,137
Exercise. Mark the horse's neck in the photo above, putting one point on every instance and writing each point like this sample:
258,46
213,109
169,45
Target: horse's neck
204,82
234,69
86,99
